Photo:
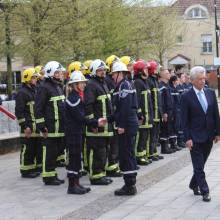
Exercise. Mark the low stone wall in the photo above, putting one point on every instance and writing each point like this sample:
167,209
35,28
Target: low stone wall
9,130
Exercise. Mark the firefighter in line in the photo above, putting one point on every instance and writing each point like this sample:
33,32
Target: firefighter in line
155,95
112,166
97,105
125,116
168,138
31,150
74,126
145,112
49,112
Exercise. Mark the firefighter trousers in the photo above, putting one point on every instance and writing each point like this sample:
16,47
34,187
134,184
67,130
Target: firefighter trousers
50,153
30,155
127,159
97,148
154,138
74,149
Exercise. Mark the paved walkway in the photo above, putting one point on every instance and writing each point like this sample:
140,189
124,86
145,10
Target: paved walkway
162,194
171,199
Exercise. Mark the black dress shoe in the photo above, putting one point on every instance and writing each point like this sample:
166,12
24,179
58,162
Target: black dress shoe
126,191
196,192
206,197
160,157
30,175
154,158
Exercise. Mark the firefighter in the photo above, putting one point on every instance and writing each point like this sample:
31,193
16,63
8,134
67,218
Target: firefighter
31,150
145,112
154,87
74,127
49,111
125,116
87,70
112,167
98,104
167,136
128,61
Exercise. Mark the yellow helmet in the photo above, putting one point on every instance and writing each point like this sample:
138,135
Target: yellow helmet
110,60
38,69
28,74
127,60
75,66
87,64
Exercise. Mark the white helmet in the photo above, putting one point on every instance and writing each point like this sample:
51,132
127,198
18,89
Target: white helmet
96,65
119,67
77,76
51,67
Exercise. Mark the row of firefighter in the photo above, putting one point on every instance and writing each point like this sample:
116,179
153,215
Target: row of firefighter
104,119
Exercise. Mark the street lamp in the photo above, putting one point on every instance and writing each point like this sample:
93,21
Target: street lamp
217,42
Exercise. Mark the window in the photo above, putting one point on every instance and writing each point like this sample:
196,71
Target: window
207,43
196,12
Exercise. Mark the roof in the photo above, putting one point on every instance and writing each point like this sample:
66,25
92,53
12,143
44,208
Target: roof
179,59
182,5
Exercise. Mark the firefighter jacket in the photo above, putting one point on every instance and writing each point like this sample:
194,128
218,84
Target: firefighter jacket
24,109
145,107
49,107
110,83
155,95
75,119
126,106
167,102
97,105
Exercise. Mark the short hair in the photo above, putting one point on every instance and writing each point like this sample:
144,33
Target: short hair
195,71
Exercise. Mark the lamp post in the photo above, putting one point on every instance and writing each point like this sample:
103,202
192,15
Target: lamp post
217,43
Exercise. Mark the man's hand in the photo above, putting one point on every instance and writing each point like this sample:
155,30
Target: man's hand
95,130
45,133
189,144
165,117
102,122
121,130
27,132
216,139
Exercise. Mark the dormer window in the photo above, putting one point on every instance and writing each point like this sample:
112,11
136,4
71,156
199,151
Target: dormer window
196,12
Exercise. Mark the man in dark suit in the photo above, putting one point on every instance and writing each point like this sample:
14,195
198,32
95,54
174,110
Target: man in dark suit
201,126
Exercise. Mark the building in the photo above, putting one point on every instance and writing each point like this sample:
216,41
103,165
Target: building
196,44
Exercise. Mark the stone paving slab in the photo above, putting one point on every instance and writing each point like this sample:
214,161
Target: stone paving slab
30,199
171,199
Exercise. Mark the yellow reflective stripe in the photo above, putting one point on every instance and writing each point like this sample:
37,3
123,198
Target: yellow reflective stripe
140,154
22,166
100,134
32,135
90,116
57,98
55,134
155,91
146,126
31,107
112,167
44,172
156,120
90,162
148,145
139,110
39,165
61,157
21,120
103,97
40,120
85,159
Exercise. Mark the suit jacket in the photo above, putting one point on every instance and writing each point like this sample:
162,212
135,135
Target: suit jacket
198,125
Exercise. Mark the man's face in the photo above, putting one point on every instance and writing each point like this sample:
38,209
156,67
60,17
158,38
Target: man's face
183,78
199,81
101,73
33,80
59,75
165,74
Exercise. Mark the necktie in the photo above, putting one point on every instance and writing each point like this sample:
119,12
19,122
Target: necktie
202,102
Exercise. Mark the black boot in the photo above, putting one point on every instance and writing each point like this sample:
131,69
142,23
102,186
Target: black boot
142,161
30,175
74,187
51,181
114,173
165,148
101,181
61,181
173,144
126,191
